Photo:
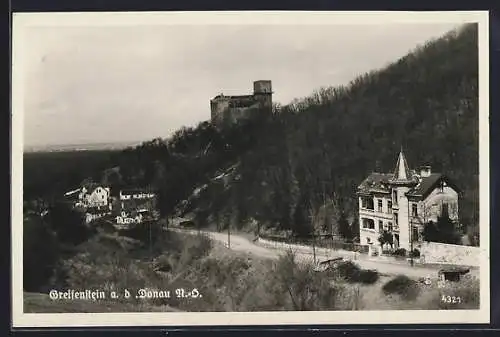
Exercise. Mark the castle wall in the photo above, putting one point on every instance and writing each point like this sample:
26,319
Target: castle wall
233,108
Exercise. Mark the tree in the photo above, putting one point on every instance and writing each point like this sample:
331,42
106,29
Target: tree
443,231
386,238
355,229
473,234
67,223
40,254
344,227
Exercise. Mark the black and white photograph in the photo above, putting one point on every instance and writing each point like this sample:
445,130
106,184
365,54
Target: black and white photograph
250,168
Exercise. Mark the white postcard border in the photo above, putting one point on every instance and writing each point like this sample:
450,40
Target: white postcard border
24,20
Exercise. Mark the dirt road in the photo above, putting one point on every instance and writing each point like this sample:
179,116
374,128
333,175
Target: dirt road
239,243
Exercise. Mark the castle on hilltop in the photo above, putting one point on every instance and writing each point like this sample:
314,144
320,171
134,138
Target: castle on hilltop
232,108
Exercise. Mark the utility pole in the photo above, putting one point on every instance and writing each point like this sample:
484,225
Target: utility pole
324,205
313,217
411,234
150,241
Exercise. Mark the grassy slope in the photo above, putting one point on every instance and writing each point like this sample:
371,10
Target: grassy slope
228,281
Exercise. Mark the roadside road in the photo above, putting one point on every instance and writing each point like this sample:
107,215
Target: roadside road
239,243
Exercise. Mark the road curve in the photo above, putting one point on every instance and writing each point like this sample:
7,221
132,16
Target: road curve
239,243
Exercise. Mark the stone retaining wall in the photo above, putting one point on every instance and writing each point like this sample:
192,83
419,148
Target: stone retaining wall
433,252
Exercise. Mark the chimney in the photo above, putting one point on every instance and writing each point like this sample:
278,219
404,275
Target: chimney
425,171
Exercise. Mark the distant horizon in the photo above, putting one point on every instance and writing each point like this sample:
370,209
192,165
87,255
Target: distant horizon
94,145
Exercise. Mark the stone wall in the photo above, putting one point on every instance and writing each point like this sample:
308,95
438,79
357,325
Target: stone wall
433,252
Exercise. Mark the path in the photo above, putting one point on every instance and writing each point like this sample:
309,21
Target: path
239,243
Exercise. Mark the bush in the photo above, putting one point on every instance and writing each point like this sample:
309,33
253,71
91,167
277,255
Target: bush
68,224
347,270
367,276
353,274
415,253
40,254
305,289
403,286
399,252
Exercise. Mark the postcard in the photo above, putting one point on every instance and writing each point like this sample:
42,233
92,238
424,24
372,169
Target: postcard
250,168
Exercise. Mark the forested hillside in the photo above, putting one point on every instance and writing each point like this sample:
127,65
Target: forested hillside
316,150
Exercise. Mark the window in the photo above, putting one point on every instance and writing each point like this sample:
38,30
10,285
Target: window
395,197
396,220
415,234
367,203
414,209
389,206
379,205
380,225
368,223
445,211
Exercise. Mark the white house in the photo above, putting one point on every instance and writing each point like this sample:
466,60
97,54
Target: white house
95,196
402,202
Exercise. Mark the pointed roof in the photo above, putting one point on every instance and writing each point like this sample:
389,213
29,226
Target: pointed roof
402,173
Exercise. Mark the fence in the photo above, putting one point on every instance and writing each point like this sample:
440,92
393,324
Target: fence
323,248
325,241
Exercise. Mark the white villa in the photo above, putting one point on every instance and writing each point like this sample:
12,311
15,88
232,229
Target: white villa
402,202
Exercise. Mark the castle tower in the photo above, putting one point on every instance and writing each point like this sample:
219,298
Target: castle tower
401,182
262,91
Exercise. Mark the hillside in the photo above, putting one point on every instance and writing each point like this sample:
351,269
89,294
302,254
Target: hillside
323,145
277,170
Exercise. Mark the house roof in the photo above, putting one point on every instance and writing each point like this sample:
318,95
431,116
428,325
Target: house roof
91,185
381,183
376,182
427,184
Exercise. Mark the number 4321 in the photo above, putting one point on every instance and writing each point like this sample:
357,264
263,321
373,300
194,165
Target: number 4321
451,299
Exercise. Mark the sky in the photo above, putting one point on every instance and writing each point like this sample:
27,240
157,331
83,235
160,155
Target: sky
88,84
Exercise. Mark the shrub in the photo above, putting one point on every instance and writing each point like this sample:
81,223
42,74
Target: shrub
367,276
353,274
385,238
305,289
399,252
347,270
40,254
415,253
68,224
403,286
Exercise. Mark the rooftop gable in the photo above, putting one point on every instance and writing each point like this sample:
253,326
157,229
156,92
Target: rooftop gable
427,184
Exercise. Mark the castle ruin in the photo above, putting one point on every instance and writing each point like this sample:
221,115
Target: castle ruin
233,108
